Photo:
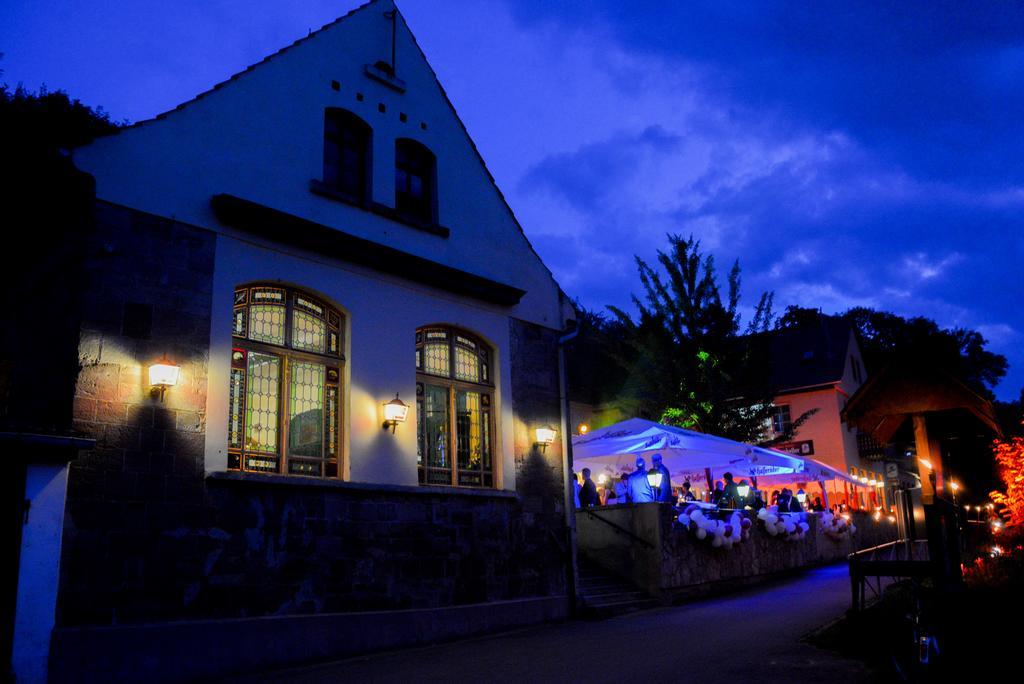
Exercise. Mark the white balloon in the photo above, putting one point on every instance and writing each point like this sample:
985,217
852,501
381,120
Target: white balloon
701,533
717,542
790,528
762,514
771,530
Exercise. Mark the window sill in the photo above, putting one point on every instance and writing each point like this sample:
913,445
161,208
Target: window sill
318,188
323,483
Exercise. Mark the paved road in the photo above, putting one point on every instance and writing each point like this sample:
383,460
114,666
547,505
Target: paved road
754,636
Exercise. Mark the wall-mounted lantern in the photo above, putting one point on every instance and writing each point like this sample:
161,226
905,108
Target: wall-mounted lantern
801,496
743,489
654,478
395,412
545,436
163,375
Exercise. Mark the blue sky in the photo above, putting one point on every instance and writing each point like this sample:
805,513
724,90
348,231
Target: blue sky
847,153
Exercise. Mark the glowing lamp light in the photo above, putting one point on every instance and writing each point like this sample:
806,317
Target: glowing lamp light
395,412
743,490
801,495
545,436
602,479
163,375
654,478
955,486
582,429
926,463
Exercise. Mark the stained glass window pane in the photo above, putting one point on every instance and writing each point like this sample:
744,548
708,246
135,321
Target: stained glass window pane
236,396
266,323
309,333
433,427
239,324
331,424
262,392
466,365
468,438
305,410
435,358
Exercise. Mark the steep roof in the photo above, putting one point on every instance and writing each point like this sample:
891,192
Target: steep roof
312,35
808,355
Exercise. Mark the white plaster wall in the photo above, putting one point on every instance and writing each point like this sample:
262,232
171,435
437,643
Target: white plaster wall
260,137
39,569
381,317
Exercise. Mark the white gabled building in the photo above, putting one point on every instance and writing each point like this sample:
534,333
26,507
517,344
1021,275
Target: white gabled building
304,242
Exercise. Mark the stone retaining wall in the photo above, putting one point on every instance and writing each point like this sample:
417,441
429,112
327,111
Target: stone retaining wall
650,549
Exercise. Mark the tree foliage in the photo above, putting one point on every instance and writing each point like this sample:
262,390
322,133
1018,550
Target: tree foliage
1009,455
688,360
49,123
886,338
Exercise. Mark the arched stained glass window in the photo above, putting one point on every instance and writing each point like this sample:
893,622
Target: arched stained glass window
455,413
284,402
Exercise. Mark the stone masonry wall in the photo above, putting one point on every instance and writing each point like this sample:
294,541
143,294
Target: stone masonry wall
674,563
149,537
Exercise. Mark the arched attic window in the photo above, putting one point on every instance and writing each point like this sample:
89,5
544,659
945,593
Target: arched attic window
284,402
347,159
415,181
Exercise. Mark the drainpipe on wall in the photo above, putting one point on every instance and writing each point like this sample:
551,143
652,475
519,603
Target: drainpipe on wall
570,507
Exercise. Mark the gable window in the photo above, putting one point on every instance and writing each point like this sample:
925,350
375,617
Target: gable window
415,181
781,421
454,408
347,155
285,386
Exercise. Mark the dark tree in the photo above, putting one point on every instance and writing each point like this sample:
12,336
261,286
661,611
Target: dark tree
886,338
48,205
690,364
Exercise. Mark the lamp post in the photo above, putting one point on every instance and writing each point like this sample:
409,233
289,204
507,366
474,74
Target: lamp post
654,478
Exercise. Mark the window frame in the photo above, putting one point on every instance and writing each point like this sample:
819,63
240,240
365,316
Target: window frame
426,211
333,362
778,410
452,385
343,119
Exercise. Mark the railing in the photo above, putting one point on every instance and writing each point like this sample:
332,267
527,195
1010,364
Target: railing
901,558
618,528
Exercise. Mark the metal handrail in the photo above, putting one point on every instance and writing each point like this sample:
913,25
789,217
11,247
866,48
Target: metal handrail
616,527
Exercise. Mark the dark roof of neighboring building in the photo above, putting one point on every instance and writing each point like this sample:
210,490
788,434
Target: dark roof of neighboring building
808,355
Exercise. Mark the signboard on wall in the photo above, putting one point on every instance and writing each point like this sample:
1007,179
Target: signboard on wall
892,471
804,448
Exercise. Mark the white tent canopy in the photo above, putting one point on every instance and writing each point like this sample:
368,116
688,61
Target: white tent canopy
614,449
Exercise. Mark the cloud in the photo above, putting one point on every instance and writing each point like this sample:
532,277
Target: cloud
865,155
923,268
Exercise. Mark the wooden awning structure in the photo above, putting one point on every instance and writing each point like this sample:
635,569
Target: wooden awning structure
931,399
881,405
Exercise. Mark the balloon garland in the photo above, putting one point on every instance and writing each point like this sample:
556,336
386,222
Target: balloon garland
721,533
788,526
836,527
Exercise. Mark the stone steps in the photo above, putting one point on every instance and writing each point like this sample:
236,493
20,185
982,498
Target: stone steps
602,595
